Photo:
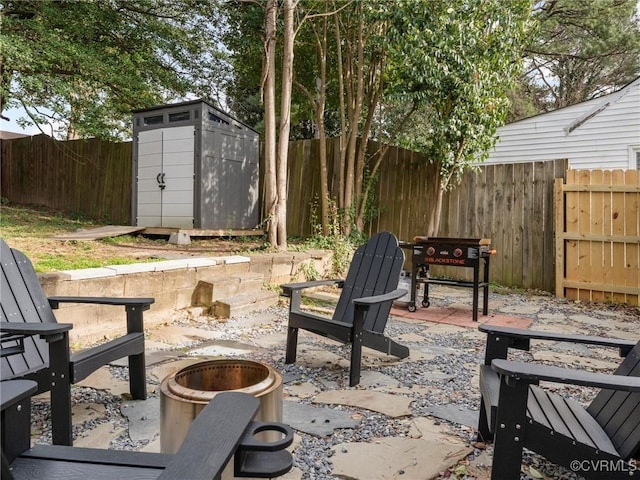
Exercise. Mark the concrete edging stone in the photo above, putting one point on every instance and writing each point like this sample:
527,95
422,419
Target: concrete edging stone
170,282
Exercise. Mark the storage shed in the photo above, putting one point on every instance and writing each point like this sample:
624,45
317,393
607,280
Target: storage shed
194,167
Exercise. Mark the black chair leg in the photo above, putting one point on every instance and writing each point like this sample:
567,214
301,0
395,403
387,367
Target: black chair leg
137,377
484,434
16,432
292,345
61,429
356,363
137,374
357,339
509,430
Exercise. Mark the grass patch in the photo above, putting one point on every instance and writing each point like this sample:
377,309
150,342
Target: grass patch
53,263
29,228
18,221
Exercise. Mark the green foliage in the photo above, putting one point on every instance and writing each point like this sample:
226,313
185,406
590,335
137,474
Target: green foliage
88,64
309,271
341,246
244,37
52,263
581,50
453,62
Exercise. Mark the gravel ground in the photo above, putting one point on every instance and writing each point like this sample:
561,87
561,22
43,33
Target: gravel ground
313,455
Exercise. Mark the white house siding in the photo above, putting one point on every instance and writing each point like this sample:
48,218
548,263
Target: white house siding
606,140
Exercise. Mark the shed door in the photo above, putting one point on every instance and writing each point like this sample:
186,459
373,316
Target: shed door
166,177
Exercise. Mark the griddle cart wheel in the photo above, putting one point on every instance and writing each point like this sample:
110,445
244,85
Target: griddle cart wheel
426,303
412,307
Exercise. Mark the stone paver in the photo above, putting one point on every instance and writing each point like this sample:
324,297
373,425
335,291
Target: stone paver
424,427
98,437
443,329
418,353
81,412
302,390
222,348
320,421
179,335
144,418
102,379
391,405
313,358
395,458
455,414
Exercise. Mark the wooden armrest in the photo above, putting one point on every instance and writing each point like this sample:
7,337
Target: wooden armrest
250,442
143,302
213,437
256,458
42,329
534,373
287,288
377,299
520,338
13,391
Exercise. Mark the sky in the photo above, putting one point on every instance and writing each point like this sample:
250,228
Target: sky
12,125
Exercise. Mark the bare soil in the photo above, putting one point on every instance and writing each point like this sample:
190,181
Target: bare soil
141,249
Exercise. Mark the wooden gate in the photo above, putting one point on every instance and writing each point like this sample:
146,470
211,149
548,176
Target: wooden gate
598,236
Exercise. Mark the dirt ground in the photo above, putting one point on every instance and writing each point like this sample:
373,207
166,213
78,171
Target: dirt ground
142,248
31,229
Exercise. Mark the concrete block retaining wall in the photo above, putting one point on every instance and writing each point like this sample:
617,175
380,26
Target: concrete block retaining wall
171,283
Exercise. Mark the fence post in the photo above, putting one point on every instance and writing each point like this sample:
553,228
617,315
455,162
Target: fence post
559,210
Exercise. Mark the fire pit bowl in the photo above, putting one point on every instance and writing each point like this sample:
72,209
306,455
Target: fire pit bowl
185,393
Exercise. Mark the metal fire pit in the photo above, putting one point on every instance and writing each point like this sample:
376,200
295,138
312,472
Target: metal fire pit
185,393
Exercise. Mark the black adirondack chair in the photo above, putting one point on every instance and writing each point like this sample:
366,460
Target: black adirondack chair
600,441
363,308
46,358
222,428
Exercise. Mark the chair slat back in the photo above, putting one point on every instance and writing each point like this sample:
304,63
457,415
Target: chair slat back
22,300
619,412
374,270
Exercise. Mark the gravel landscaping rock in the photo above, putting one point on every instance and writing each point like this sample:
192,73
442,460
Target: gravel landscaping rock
441,385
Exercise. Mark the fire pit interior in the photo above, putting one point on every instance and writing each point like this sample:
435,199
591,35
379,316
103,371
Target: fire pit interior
219,376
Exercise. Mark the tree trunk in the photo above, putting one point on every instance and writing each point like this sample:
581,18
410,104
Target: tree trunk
339,161
285,122
322,152
269,85
322,135
354,121
434,202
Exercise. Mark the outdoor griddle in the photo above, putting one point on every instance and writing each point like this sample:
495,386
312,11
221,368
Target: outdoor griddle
451,252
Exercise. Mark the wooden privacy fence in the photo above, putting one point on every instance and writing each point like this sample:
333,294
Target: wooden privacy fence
598,241
511,204
90,177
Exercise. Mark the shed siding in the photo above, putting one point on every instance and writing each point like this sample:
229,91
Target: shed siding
211,172
604,141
